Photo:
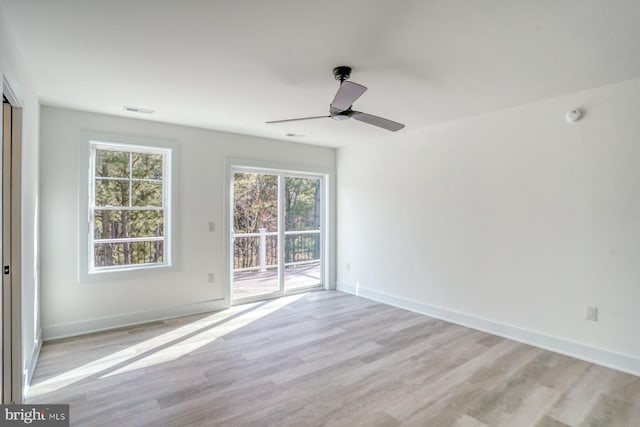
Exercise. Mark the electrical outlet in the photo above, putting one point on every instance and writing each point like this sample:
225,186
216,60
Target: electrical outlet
212,277
212,226
592,314
348,266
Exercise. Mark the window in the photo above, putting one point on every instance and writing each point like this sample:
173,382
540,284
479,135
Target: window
129,208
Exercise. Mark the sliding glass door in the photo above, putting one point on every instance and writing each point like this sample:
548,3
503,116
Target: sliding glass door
277,233
302,235
255,234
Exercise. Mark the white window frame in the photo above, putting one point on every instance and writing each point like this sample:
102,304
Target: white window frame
166,206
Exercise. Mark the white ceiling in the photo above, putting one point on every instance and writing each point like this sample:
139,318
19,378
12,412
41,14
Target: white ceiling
234,64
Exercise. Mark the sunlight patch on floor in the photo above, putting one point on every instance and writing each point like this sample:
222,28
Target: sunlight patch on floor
206,337
173,343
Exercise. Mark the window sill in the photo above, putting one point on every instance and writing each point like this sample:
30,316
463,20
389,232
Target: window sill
124,273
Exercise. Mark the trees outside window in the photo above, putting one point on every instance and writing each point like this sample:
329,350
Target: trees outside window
256,207
128,206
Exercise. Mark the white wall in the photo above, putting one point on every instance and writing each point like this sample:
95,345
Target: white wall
512,222
70,306
13,71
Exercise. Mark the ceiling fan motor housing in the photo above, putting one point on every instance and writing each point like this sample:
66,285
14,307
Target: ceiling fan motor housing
344,115
342,73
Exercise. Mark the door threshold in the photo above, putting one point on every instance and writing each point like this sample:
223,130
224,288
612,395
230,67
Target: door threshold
266,297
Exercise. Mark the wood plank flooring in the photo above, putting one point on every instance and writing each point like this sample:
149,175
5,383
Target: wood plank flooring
324,359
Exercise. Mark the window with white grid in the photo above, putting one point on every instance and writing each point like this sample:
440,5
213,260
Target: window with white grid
129,209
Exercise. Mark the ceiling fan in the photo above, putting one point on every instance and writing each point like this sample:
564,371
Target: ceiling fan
340,108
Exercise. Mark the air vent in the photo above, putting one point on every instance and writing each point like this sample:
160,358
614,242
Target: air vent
138,110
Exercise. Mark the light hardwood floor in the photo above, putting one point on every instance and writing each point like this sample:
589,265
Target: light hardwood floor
324,358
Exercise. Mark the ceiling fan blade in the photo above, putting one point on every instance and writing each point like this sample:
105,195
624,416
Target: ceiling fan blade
295,120
347,94
377,121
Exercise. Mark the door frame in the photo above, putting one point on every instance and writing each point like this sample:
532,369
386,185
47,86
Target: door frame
233,165
12,364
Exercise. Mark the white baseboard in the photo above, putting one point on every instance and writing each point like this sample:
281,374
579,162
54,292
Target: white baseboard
620,362
128,319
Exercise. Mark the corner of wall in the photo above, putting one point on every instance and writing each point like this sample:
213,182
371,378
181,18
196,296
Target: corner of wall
30,364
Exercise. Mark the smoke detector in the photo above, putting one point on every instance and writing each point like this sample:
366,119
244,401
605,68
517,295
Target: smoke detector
574,115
